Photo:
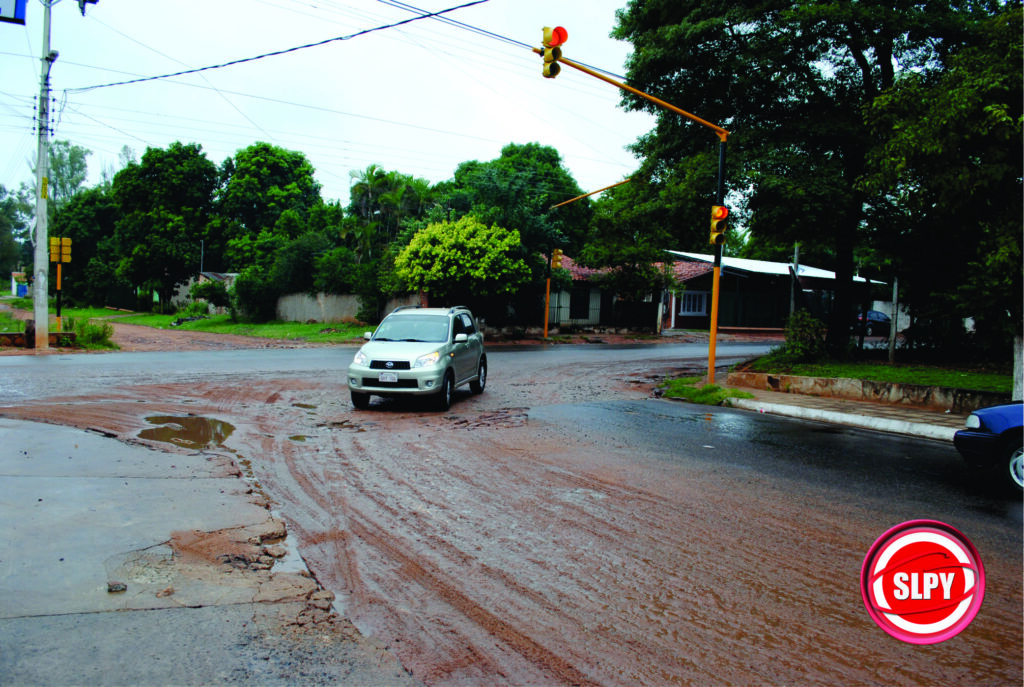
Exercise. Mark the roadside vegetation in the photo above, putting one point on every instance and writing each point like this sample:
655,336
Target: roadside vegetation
8,323
315,332
91,323
925,375
804,354
692,389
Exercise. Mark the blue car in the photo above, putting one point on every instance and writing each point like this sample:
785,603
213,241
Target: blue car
994,438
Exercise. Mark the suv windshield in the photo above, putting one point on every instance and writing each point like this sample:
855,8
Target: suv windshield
425,328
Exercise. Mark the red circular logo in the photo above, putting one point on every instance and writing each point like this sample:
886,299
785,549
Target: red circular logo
923,582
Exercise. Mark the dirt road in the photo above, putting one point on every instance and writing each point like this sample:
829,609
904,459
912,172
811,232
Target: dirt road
492,545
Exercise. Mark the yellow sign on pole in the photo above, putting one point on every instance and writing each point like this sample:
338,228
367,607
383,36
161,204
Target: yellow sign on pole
60,249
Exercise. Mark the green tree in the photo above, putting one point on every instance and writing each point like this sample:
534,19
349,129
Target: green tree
790,81
89,219
165,201
293,270
15,213
518,190
264,181
948,158
627,244
265,190
68,171
463,259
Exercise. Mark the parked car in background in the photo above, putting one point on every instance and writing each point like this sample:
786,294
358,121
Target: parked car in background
420,352
994,438
873,322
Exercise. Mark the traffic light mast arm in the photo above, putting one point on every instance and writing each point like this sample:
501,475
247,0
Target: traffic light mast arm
585,195
723,135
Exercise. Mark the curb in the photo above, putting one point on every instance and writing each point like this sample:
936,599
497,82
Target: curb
916,429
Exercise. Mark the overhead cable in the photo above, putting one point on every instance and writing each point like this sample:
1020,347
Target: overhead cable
280,52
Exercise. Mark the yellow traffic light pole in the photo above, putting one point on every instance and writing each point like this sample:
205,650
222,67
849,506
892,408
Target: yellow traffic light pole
723,137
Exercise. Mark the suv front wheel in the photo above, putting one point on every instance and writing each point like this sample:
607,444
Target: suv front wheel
444,397
360,401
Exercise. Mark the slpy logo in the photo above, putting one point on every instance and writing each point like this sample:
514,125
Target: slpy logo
923,582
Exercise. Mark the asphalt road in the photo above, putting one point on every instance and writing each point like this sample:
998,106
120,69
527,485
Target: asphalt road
566,528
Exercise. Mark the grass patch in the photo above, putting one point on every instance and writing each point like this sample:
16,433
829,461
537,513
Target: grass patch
316,332
925,375
8,324
691,389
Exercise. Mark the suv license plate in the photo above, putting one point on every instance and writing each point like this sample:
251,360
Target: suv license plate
388,377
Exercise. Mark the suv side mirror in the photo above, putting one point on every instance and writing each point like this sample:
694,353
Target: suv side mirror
461,338
367,335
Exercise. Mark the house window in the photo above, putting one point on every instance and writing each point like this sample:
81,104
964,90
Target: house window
693,303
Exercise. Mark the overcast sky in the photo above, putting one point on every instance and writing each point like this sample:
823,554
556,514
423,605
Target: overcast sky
419,98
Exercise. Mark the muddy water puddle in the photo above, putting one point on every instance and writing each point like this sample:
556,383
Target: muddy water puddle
188,431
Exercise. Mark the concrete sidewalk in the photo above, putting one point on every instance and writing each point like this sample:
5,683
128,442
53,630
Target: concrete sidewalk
927,424
124,565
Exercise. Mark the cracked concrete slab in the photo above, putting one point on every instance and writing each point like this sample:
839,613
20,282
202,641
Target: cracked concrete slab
121,564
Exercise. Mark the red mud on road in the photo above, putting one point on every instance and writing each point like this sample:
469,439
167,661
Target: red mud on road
482,547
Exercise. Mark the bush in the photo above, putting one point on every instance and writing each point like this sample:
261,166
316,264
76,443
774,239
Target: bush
92,333
805,337
254,297
213,292
194,309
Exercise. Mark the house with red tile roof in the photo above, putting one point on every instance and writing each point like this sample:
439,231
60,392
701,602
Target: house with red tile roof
753,294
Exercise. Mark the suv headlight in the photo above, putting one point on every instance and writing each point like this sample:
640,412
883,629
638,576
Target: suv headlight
427,360
360,358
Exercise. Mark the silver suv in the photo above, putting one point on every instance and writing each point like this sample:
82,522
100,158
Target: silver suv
417,352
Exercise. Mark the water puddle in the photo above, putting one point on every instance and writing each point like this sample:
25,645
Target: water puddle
188,431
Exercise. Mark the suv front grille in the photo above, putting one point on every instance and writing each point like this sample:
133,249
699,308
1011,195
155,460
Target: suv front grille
389,365
370,382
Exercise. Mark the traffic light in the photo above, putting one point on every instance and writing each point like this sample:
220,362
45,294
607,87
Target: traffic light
556,258
553,39
719,224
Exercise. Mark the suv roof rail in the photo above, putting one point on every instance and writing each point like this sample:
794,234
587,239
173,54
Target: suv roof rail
406,307
456,307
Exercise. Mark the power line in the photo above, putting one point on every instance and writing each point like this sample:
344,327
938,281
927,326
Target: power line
281,52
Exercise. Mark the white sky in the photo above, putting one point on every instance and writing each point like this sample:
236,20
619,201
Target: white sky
418,99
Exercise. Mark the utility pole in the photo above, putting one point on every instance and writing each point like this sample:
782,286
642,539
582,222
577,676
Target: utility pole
41,267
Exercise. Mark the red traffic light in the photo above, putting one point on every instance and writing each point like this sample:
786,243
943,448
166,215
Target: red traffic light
554,37
719,224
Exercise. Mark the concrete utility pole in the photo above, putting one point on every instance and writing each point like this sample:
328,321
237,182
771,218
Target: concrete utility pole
41,267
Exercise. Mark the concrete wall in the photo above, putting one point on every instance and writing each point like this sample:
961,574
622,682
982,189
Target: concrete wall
329,307
324,307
